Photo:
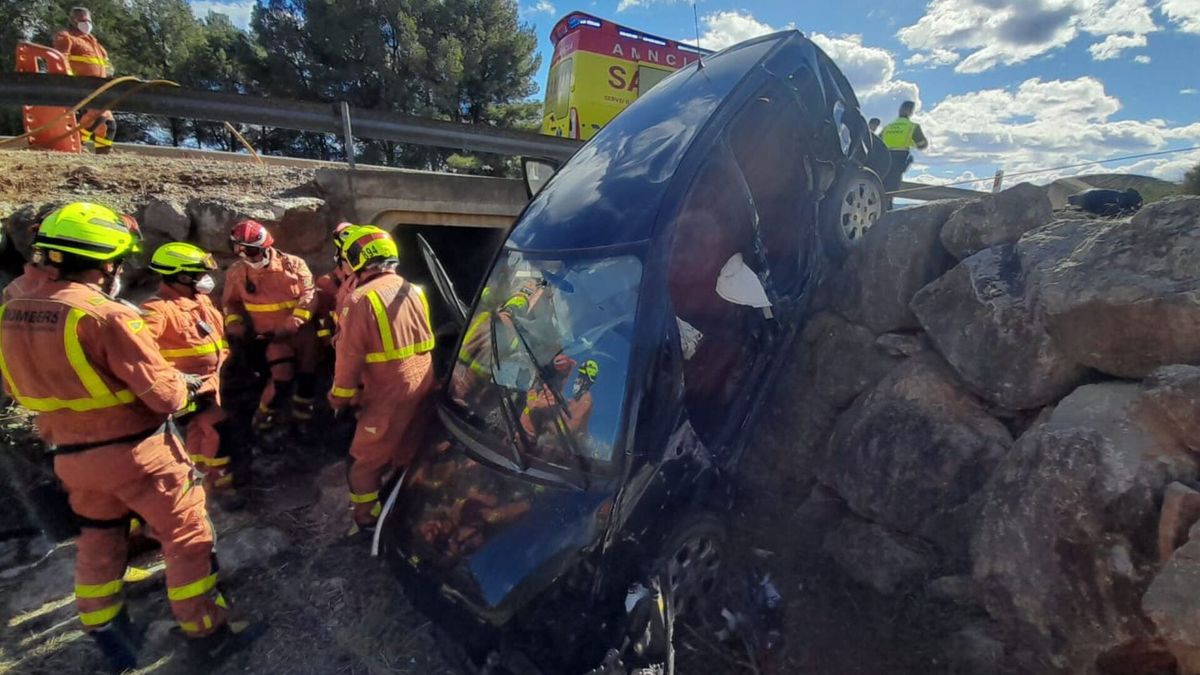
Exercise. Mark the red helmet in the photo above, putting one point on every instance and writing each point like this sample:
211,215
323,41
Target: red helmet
251,234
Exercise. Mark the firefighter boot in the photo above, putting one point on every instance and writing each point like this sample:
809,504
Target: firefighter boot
230,639
120,641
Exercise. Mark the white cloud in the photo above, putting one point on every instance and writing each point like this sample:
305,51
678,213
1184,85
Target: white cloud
1184,13
722,29
1142,59
628,4
238,11
543,7
933,59
1004,32
1190,91
1041,124
1113,45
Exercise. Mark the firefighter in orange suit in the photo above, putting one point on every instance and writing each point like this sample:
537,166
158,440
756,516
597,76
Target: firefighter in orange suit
332,288
271,294
383,368
87,365
191,336
88,58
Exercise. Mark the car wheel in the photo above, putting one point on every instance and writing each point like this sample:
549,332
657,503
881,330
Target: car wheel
852,205
691,567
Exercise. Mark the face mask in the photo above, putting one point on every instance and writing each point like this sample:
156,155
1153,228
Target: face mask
84,27
114,286
257,264
206,284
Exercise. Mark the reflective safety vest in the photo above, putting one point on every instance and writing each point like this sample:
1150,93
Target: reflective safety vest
898,135
86,364
385,321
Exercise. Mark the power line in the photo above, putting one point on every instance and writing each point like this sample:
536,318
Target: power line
1056,168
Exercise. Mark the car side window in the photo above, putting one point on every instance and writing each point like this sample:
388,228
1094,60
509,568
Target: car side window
768,142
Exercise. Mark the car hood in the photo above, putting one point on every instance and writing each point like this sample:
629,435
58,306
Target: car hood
490,539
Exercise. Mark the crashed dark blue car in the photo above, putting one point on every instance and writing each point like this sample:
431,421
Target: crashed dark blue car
601,389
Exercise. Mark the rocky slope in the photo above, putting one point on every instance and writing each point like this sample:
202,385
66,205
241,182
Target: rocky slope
1001,406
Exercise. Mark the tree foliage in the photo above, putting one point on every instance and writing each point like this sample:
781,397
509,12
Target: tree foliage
461,60
1191,181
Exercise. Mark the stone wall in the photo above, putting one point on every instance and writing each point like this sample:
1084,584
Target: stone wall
1001,396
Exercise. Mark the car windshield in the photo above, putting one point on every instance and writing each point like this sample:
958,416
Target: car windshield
543,365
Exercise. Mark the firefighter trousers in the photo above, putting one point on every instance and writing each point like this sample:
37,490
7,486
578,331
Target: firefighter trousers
390,424
204,444
153,479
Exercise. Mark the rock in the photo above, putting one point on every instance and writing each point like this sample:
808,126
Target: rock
249,547
987,324
47,580
1173,604
1063,546
994,219
1126,298
958,589
913,450
975,650
902,344
1180,510
1170,404
300,225
18,227
844,358
877,557
166,218
895,259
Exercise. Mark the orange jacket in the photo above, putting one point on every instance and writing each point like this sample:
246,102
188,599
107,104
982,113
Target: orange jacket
189,331
86,364
281,291
331,290
385,321
86,56
29,282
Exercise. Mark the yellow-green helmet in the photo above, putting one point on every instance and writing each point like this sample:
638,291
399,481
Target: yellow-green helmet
87,230
590,370
180,257
368,244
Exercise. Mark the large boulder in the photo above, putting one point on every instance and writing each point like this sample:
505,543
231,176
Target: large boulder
877,557
895,259
1170,405
984,320
300,225
844,359
995,219
1064,543
164,218
910,453
1126,298
1173,603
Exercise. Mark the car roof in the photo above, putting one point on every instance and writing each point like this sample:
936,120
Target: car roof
609,193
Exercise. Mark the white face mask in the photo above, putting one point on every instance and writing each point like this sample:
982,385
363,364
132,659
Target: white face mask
258,264
115,286
206,284
84,27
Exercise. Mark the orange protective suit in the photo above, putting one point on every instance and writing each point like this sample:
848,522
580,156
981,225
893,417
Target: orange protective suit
191,336
33,277
383,365
90,369
331,290
278,301
88,58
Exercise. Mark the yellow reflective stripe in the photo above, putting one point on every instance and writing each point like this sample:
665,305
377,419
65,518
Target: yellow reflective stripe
92,60
92,591
51,404
340,392
194,589
102,142
324,332
232,319
302,313
364,498
273,307
206,348
390,353
78,360
376,510
101,616
221,601
210,461
189,627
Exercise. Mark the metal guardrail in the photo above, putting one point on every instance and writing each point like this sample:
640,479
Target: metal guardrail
33,89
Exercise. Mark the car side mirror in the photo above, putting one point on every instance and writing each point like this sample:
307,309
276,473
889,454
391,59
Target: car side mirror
537,173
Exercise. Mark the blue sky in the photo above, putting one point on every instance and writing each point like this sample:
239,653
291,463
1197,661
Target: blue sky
1018,84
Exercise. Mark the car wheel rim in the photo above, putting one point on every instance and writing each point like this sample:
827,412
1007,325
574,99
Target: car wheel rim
861,207
693,573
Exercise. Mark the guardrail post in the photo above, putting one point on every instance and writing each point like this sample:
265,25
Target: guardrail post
347,134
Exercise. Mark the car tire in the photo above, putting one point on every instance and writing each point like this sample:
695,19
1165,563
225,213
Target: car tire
690,564
851,206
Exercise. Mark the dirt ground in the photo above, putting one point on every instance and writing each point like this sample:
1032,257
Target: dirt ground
29,176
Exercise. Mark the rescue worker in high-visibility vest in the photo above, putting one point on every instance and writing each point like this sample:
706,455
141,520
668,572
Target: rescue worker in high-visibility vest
191,336
88,58
270,295
103,394
332,287
900,136
383,368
